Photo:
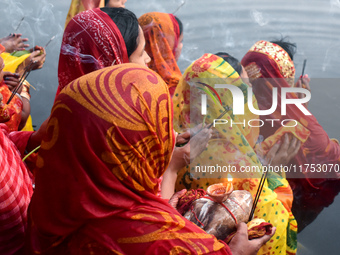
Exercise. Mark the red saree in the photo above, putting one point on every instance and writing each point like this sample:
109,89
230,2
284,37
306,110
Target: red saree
91,41
15,191
96,185
15,183
162,33
268,66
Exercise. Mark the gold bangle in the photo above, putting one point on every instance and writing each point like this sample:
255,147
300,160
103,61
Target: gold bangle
25,95
25,88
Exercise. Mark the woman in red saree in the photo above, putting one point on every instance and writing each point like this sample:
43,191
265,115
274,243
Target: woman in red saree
92,41
96,186
15,190
269,66
164,38
15,183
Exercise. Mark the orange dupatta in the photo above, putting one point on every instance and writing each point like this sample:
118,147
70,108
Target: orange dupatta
161,33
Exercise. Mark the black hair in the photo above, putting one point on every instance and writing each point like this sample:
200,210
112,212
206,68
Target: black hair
180,25
127,23
106,2
231,60
289,47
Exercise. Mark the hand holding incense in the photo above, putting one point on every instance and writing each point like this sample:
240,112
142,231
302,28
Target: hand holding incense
27,71
207,126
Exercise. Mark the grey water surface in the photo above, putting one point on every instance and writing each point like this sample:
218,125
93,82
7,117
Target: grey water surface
209,27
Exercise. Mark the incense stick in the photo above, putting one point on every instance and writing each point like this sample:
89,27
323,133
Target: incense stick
21,81
258,192
221,115
20,23
211,124
303,68
257,196
179,7
51,39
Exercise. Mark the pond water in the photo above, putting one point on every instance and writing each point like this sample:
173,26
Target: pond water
212,26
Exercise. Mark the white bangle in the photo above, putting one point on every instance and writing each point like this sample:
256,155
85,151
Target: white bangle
19,96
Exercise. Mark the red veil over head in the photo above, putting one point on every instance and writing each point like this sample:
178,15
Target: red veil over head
109,139
269,66
91,41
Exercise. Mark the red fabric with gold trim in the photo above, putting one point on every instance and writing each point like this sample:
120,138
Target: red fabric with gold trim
91,41
96,185
299,131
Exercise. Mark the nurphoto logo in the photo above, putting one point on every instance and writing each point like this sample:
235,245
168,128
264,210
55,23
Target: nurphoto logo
238,105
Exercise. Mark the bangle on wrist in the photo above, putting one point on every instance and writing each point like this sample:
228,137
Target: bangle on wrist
18,95
25,95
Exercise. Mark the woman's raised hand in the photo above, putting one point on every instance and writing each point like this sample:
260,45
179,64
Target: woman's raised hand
283,151
37,57
14,42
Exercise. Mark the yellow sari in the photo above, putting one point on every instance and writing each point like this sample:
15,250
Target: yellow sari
12,62
231,146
